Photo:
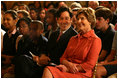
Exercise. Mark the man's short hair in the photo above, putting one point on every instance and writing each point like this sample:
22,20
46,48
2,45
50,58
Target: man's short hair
52,11
27,8
104,12
25,13
26,19
63,9
38,24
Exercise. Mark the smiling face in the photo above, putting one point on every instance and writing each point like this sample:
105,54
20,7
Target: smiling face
9,22
64,21
83,25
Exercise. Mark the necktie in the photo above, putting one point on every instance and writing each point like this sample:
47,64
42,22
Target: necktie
59,35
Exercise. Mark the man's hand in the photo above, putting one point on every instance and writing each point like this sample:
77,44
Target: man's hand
36,59
44,59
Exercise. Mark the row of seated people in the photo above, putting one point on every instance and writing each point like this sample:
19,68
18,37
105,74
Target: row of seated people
68,53
38,12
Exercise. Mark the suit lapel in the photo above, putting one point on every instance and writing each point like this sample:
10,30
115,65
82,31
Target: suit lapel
66,34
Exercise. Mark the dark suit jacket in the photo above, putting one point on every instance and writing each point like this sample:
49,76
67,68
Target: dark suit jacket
56,49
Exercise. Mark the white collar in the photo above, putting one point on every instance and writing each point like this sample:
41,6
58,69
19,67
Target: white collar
64,30
13,32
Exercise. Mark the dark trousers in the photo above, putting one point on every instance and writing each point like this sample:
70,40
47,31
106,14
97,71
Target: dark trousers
25,67
111,69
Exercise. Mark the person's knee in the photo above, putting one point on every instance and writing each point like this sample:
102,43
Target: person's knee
101,71
46,73
46,69
98,73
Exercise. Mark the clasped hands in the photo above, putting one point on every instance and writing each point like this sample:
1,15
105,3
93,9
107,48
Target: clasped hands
71,68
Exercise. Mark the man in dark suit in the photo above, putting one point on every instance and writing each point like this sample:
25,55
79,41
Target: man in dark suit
58,40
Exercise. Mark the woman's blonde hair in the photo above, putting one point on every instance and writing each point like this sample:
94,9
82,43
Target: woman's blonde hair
89,14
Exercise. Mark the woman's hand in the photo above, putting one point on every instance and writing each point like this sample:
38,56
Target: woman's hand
62,68
72,68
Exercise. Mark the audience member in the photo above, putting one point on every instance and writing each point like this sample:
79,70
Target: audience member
109,66
106,33
74,22
75,5
15,6
28,66
114,11
50,6
51,20
37,4
42,14
93,4
60,4
109,4
45,4
114,7
31,5
23,25
42,17
9,40
23,7
34,14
